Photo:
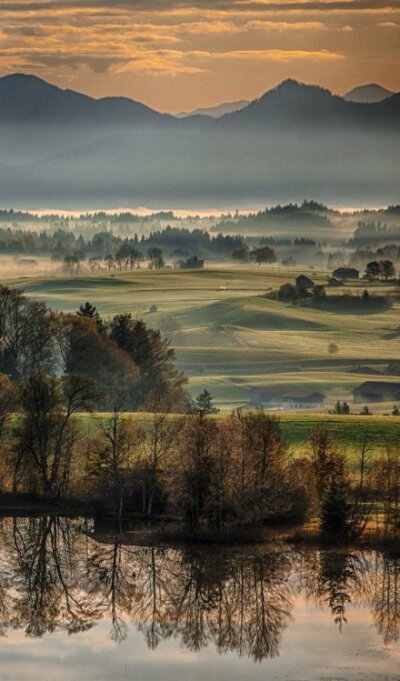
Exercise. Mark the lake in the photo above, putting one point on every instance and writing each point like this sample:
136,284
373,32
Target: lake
77,603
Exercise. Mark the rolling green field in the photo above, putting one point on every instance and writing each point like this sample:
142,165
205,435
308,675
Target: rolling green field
231,338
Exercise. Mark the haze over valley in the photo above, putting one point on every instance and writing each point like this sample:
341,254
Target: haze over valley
62,149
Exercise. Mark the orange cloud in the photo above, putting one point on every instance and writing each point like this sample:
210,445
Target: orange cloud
123,40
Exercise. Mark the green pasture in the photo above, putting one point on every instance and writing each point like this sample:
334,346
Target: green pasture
379,431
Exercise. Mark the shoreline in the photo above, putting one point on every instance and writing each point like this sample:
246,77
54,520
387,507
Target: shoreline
137,528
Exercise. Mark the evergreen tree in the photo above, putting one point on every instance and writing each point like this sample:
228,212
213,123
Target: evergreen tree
90,312
205,403
336,506
345,408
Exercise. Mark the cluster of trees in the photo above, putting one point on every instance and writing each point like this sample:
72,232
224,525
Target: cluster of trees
382,269
215,474
16,216
309,213
289,293
316,297
124,359
369,233
218,475
342,408
258,254
60,242
363,255
347,498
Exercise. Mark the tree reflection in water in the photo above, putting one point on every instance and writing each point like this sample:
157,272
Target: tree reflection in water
55,576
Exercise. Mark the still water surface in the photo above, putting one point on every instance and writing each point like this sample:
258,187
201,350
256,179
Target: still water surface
77,606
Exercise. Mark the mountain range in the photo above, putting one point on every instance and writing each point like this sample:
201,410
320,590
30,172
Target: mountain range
364,94
63,148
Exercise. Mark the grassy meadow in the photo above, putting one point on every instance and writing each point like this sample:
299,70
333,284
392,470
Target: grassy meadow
231,338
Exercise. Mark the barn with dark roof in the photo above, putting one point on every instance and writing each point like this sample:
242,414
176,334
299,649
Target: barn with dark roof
377,391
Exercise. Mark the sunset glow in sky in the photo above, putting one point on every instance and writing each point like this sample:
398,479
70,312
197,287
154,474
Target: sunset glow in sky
180,54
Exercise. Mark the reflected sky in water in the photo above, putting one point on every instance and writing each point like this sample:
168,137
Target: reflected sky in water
74,606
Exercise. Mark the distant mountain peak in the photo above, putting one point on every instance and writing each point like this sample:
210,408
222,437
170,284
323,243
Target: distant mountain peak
293,84
23,79
216,111
290,94
31,100
294,88
369,93
289,82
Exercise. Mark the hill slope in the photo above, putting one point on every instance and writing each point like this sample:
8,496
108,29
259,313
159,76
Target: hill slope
293,104
31,100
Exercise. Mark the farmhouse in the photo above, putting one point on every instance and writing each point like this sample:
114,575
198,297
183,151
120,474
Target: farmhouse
304,282
280,398
376,391
346,273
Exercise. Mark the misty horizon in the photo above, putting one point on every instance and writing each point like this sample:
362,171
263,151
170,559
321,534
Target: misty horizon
61,149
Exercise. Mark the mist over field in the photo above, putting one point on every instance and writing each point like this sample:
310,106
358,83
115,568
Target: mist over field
21,266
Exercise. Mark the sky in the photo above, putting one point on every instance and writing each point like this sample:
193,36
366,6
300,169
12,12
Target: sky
177,55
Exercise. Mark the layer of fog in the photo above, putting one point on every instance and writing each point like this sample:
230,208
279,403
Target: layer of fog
21,267
200,168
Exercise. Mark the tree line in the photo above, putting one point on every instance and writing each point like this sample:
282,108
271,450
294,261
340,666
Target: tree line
219,477
175,241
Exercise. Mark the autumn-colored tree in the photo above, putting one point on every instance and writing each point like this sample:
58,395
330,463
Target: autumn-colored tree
90,353
154,358
46,430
